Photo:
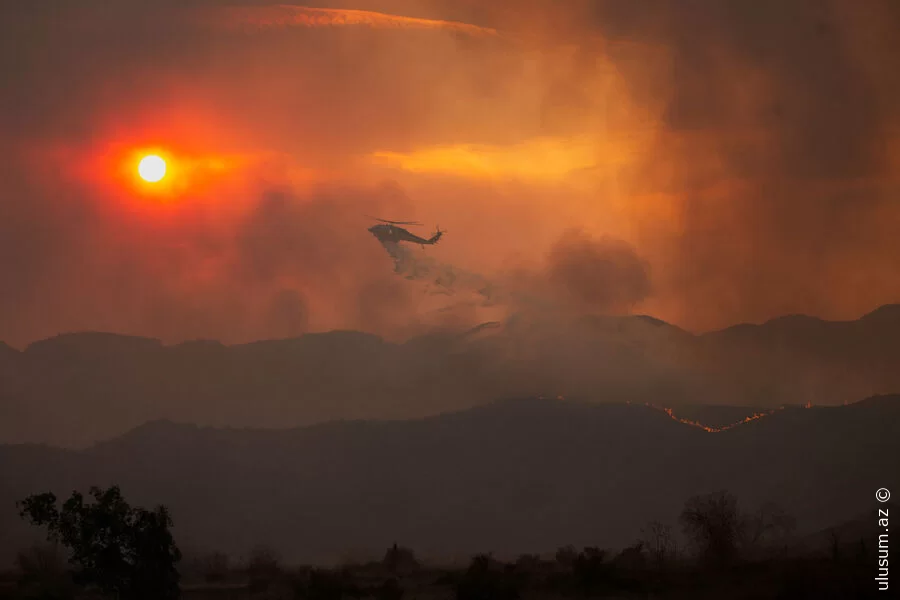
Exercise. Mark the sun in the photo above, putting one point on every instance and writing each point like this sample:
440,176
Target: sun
152,168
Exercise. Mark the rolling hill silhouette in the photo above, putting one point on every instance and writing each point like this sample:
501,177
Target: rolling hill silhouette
75,389
509,477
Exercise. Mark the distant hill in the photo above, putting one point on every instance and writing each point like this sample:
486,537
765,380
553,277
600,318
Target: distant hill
75,389
846,539
799,359
509,477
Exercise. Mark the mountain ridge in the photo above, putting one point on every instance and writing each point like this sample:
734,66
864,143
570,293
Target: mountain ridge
886,312
121,381
881,402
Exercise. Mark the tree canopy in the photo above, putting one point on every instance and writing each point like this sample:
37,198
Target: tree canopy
124,551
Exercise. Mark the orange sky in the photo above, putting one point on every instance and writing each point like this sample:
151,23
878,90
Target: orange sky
723,162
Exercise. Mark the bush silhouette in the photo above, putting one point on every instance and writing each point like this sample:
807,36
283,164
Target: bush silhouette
483,582
43,574
126,552
216,567
389,590
263,568
590,570
321,584
566,555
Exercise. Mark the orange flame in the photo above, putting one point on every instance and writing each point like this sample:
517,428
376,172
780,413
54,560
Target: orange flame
753,417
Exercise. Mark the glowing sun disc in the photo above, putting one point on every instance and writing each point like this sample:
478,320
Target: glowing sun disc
152,168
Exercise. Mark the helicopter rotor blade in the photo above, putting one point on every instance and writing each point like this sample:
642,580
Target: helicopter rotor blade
395,222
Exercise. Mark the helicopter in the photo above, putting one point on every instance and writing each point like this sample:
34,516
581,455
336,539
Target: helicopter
388,232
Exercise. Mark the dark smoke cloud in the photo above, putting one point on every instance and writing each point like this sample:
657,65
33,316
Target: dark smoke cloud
778,124
580,275
774,150
746,150
604,275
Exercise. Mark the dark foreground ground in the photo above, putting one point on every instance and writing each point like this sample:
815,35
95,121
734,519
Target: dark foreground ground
587,574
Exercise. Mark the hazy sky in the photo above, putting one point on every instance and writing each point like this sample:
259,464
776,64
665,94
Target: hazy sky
704,161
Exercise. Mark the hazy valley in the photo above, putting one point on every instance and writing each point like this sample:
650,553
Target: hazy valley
77,389
510,477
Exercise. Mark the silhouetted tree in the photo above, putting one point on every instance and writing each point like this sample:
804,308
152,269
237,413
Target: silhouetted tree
631,558
216,567
528,564
768,526
320,584
835,540
528,561
590,570
126,552
566,555
263,567
482,582
389,590
399,560
862,554
712,523
659,541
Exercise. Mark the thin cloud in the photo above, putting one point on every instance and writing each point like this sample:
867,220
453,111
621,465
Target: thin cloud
250,18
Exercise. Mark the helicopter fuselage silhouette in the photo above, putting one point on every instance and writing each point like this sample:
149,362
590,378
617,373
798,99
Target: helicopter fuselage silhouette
388,233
